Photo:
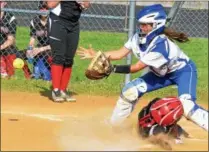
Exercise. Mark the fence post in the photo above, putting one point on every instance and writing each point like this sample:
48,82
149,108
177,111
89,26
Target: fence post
173,11
130,34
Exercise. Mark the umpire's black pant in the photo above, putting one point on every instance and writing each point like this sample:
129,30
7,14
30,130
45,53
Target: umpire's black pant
63,39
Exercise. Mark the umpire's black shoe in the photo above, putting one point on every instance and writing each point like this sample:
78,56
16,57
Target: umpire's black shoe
56,96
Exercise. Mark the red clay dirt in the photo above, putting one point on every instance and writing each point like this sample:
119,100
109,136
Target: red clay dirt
33,122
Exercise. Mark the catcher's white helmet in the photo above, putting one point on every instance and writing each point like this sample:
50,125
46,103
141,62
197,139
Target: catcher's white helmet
154,14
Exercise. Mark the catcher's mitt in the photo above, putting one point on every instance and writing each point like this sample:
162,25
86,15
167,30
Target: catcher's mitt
99,67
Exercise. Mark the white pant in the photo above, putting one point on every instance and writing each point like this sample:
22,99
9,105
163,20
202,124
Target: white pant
196,114
121,111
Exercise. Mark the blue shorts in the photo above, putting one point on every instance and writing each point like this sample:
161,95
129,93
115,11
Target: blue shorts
185,79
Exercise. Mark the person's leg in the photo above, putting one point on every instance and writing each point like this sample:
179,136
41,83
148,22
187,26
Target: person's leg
73,39
57,40
187,82
45,72
9,63
3,67
36,69
131,93
26,70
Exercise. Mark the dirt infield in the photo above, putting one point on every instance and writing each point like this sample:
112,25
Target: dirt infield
33,122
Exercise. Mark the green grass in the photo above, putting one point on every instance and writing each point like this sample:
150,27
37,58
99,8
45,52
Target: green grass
197,50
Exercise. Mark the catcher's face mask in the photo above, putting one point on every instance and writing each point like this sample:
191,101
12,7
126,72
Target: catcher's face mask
143,30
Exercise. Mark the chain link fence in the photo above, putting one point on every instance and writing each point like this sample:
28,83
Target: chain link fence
192,19
106,18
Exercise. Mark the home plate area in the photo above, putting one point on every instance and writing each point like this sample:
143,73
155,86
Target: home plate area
31,122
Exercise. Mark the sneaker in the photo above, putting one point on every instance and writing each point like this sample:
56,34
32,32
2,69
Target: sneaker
67,97
56,96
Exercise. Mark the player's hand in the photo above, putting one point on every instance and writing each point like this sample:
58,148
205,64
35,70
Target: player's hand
36,51
29,54
32,53
83,4
86,53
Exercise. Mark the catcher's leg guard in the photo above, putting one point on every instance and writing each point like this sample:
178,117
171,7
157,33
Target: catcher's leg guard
194,112
121,111
128,99
134,90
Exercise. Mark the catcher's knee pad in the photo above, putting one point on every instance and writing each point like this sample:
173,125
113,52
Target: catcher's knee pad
134,90
58,60
188,105
194,112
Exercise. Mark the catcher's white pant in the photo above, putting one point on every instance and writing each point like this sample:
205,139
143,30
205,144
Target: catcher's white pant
121,111
194,113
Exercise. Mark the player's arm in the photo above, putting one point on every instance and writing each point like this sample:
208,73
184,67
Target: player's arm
137,67
11,35
112,55
52,4
32,42
40,49
84,4
117,54
10,41
125,69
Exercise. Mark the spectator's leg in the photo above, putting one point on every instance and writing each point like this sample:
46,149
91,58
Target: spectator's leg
9,64
44,70
36,70
3,68
26,70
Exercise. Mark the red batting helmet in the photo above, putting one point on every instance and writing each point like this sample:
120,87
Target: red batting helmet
167,111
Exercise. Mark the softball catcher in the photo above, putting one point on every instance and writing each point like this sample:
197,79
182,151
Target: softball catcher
154,47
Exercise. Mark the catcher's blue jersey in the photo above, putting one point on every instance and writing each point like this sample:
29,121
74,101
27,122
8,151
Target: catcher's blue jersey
162,55
167,64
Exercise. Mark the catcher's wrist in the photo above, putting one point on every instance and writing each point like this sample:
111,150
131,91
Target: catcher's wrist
125,69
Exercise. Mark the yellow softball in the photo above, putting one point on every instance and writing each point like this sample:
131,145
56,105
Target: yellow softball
18,63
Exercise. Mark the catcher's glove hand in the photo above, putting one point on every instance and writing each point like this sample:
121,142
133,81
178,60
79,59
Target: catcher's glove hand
99,67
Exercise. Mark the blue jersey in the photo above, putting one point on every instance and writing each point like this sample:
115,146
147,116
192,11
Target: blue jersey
162,55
